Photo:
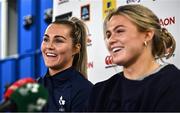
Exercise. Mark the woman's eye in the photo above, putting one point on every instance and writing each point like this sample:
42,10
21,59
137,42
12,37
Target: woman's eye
58,41
108,35
45,39
119,31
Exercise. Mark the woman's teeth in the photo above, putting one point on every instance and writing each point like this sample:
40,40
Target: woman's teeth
51,54
116,49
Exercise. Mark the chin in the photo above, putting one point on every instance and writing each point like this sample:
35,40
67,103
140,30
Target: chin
118,62
50,65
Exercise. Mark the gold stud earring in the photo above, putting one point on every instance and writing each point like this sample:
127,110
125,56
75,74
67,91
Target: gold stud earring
145,43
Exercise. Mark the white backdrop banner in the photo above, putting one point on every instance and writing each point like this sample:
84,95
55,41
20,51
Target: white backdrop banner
93,12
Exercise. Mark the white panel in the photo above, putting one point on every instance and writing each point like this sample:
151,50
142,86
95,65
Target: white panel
98,69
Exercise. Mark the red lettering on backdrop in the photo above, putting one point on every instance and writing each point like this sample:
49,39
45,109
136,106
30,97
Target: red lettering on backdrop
90,65
108,60
167,21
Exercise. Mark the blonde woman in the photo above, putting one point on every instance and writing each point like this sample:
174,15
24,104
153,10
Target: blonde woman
136,41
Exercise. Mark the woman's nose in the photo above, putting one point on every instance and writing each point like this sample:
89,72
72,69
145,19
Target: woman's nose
111,39
50,45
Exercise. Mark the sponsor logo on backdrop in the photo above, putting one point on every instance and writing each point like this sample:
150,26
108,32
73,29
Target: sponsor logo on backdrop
85,12
108,5
108,62
133,1
89,41
64,16
90,65
62,1
167,21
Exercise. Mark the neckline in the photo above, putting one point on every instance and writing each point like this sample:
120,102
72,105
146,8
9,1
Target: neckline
63,75
147,75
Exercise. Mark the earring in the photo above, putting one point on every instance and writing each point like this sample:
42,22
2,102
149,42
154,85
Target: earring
145,43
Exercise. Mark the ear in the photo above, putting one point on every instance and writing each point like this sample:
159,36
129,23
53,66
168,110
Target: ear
77,48
149,35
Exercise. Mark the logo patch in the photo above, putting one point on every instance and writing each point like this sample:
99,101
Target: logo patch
85,12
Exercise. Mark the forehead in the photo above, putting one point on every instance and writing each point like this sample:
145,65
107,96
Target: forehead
118,20
58,28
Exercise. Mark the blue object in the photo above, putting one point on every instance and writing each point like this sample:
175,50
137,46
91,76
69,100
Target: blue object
8,73
27,34
26,65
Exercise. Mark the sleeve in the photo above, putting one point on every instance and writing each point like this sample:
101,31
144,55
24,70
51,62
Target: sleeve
89,106
96,98
80,99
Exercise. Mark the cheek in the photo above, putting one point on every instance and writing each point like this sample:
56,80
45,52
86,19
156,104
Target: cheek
65,51
135,49
42,47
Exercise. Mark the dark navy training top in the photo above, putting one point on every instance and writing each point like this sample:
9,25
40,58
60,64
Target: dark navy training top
158,92
68,91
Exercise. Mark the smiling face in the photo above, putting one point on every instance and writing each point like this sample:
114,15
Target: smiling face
125,43
56,47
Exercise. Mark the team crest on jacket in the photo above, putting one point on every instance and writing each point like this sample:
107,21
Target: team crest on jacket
62,104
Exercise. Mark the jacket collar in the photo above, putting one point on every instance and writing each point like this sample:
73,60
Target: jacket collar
63,75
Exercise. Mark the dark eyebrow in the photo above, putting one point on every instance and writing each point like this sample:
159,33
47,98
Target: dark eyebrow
56,36
59,36
107,31
118,27
46,35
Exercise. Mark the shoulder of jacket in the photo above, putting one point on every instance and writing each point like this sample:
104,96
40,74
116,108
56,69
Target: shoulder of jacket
39,79
109,82
79,82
